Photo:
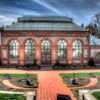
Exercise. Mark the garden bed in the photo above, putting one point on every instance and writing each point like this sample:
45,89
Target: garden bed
16,80
21,82
77,75
5,96
79,80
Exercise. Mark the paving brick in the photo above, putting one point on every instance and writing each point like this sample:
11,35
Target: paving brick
50,83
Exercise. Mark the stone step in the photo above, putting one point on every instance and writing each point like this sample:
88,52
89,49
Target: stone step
46,65
46,68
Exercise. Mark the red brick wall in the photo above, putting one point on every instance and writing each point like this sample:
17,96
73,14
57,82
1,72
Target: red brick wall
38,37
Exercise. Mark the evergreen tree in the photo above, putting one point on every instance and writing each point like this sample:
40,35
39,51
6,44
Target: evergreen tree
82,25
93,28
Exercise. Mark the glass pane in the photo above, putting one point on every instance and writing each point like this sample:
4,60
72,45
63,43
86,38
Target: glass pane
29,49
62,49
77,49
13,49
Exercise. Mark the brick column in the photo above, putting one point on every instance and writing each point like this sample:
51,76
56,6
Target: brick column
21,55
38,54
53,54
4,54
69,54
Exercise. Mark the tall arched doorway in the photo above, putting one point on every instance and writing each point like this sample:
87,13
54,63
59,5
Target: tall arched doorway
46,52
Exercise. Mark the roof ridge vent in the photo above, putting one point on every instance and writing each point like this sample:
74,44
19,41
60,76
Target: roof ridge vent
45,19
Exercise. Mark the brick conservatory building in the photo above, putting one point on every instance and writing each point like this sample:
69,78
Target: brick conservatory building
47,39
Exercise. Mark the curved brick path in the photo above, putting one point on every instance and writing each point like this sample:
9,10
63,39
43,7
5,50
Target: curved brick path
50,83
7,83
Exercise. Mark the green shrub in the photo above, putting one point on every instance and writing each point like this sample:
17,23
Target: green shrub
5,96
91,62
76,93
96,95
1,80
0,63
35,63
57,63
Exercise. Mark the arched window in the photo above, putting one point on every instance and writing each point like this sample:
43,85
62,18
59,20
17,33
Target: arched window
30,49
77,49
62,49
14,49
46,46
98,56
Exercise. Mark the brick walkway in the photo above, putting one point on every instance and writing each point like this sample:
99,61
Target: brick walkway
50,83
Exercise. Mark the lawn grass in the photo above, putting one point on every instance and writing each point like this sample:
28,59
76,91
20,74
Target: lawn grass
6,96
19,75
96,95
78,74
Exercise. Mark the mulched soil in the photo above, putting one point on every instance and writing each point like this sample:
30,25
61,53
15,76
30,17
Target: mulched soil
5,88
21,82
96,86
79,81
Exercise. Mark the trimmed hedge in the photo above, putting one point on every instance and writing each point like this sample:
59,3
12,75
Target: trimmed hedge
5,96
19,75
96,95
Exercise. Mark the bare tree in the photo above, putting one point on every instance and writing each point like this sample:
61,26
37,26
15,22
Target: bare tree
94,25
96,20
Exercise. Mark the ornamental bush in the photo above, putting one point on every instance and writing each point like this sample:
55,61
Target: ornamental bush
91,62
5,96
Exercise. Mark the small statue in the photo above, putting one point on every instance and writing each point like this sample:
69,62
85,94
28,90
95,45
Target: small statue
73,79
28,82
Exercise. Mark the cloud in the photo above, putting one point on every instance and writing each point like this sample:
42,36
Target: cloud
80,10
48,6
8,16
5,20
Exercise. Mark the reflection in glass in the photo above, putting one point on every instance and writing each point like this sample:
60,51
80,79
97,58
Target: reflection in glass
29,49
62,49
77,49
13,49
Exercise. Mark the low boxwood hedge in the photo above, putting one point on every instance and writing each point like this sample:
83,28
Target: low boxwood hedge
96,95
5,96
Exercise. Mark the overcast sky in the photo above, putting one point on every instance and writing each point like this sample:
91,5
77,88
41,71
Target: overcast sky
80,10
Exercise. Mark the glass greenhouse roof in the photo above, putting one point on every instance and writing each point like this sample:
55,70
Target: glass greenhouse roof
94,40
44,23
